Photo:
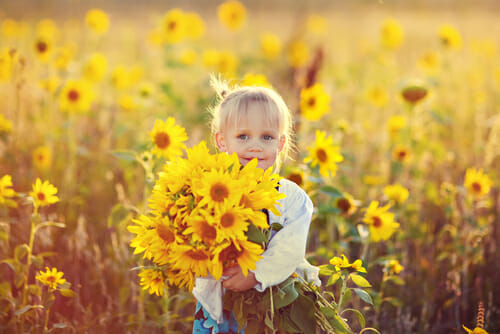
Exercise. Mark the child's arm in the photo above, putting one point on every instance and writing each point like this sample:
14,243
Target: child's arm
237,281
288,246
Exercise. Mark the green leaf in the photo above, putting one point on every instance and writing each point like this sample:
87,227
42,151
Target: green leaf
284,294
118,214
302,313
256,235
327,269
268,321
5,290
276,227
360,281
12,263
396,280
333,279
335,321
347,298
331,191
67,293
21,251
358,314
327,208
125,155
363,295
26,309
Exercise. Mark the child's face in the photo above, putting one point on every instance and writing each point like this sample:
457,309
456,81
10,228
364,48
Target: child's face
254,137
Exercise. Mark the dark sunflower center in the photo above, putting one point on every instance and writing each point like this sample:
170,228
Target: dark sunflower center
162,140
41,196
230,254
344,204
476,186
297,178
219,192
165,234
51,279
321,155
311,102
172,25
207,232
227,220
377,222
41,46
197,255
401,155
73,95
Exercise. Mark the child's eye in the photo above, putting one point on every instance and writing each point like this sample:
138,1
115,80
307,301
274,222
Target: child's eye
267,137
243,137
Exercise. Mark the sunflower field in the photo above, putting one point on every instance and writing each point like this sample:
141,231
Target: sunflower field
396,110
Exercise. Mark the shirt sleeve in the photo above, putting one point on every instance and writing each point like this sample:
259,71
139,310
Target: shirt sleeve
286,250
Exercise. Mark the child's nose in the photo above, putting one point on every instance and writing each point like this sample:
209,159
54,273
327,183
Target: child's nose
255,146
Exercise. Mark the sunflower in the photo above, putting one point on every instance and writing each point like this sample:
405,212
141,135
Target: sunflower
382,224
51,278
392,34
477,183
394,267
346,204
5,125
314,102
174,26
232,14
401,153
395,124
97,21
43,194
44,48
477,330
377,96
168,138
271,45
450,37
195,26
324,154
6,190
163,240
153,280
227,63
42,157
253,79
181,278
202,227
232,222
298,54
244,253
396,193
215,188
343,263
144,229
76,96
192,258
96,67
199,158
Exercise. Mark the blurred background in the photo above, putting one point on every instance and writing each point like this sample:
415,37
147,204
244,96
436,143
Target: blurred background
408,91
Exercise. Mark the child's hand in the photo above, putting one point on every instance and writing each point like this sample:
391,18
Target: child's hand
237,281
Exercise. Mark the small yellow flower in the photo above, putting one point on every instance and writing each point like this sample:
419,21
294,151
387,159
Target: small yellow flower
44,194
477,183
51,278
174,26
188,57
97,21
401,153
153,280
8,58
76,96
314,102
392,34
346,204
10,28
5,125
298,54
210,58
47,29
373,180
63,56
50,84
168,138
252,79
43,48
395,124
195,27
270,45
6,190
227,63
127,102
96,67
42,157
476,330
317,24
381,222
324,154
232,14
429,61
377,96
396,193
343,263
450,37
394,267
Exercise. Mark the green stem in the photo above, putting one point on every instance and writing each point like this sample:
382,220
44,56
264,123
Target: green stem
342,293
47,312
28,264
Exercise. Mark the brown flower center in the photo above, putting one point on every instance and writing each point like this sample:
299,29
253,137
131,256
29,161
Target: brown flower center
51,279
207,231
321,155
311,102
165,234
172,25
297,178
227,220
476,186
344,205
162,140
230,254
73,95
40,196
198,255
41,46
219,192
377,222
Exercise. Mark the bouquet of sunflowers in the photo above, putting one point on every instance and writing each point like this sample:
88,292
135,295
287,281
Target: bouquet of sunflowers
206,214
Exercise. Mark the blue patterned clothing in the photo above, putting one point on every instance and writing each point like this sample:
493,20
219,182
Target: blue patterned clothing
204,324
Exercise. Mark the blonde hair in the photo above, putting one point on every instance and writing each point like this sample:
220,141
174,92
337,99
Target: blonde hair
232,104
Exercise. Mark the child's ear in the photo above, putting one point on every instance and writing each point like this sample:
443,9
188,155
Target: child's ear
282,142
219,141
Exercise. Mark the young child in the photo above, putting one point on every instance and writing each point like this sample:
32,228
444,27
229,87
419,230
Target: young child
255,123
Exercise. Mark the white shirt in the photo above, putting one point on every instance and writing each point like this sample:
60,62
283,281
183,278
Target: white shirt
283,256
